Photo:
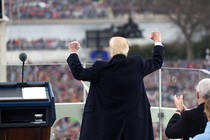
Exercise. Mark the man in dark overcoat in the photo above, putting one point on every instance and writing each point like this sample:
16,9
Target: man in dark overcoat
117,107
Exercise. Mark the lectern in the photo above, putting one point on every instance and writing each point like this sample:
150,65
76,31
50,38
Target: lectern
27,111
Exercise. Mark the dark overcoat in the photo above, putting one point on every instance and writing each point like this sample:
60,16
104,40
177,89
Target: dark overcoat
117,106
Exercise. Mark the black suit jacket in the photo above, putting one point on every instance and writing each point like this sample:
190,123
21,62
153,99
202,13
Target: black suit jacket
117,104
189,124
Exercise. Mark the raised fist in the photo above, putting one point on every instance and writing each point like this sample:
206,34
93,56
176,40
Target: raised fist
156,36
74,46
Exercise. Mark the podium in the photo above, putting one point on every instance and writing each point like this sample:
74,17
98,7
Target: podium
27,111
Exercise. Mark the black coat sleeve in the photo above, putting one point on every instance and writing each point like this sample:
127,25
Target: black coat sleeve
155,63
78,71
177,126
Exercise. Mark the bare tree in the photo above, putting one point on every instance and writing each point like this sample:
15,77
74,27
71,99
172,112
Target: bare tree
191,16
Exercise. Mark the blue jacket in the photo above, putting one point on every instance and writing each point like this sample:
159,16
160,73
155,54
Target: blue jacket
117,105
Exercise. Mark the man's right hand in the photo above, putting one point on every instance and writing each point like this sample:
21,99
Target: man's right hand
155,36
74,46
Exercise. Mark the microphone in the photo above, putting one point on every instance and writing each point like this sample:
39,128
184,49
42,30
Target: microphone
22,57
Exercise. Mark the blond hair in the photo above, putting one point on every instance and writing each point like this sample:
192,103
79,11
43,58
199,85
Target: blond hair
118,45
207,108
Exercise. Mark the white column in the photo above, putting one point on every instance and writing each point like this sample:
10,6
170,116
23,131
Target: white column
3,52
3,20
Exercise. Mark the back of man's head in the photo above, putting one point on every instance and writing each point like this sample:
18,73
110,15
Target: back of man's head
118,45
203,88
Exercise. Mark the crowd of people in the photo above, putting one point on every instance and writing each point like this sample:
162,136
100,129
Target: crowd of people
67,89
56,9
56,43
36,44
174,82
66,129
